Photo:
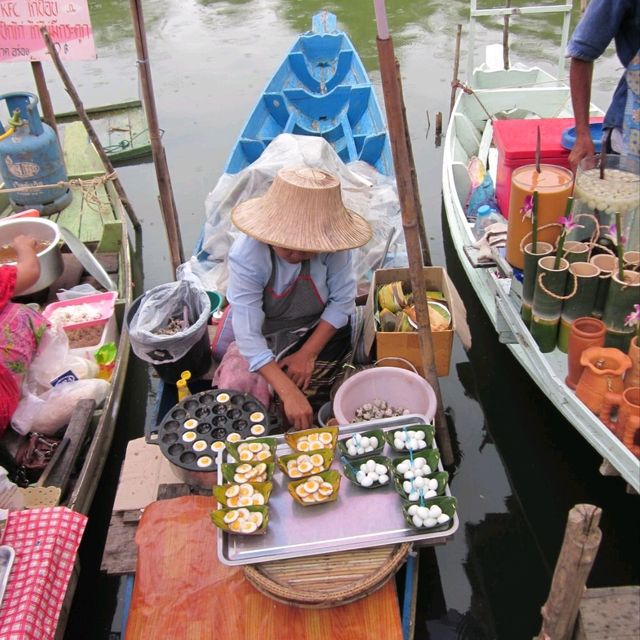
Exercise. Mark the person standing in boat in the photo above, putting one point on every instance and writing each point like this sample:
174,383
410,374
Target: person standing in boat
603,21
292,288
22,327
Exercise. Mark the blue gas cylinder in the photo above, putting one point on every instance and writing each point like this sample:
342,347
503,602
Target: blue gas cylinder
30,155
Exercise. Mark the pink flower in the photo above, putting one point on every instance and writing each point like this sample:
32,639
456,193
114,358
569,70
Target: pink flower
569,224
527,207
613,232
633,319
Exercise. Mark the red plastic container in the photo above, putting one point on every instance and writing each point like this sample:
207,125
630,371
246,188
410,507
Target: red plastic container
516,144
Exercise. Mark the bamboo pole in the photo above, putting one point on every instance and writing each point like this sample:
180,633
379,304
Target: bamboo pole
579,548
82,114
167,202
393,107
43,93
505,38
424,243
456,69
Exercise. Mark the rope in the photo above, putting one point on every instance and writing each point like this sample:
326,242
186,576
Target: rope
544,226
124,144
469,91
75,183
555,296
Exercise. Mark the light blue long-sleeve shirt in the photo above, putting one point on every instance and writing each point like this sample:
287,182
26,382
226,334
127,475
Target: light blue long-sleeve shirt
249,272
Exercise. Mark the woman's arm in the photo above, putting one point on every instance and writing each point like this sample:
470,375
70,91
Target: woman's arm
296,406
28,265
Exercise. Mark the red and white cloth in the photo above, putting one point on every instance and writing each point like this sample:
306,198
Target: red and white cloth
46,542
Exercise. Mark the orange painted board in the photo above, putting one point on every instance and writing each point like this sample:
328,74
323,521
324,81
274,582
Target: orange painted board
183,591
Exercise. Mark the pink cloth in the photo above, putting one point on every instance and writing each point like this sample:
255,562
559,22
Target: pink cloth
233,373
46,542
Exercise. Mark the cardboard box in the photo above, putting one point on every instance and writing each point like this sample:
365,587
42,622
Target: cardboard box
407,345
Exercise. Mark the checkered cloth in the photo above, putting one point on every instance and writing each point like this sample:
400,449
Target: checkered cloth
46,542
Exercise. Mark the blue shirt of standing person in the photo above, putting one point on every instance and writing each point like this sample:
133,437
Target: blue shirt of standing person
603,21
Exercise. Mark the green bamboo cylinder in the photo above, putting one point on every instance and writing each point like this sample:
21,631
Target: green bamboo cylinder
530,274
621,297
575,251
607,265
547,302
583,276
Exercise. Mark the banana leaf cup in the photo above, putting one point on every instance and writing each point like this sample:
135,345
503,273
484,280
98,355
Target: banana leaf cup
447,504
432,456
232,447
230,472
351,470
429,431
376,433
441,476
327,459
296,439
259,488
332,477
217,517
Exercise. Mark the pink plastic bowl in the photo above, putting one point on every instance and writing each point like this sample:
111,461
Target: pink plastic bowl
399,387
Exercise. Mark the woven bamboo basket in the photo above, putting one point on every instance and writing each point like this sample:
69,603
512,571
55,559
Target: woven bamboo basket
329,580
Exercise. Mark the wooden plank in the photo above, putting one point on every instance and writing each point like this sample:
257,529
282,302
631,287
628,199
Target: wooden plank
109,261
111,240
76,433
79,153
95,213
120,551
609,613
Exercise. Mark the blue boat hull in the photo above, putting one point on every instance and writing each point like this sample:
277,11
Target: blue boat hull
320,89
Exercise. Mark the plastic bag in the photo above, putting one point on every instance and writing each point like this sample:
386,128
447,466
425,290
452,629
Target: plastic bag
79,291
156,308
51,411
53,359
481,191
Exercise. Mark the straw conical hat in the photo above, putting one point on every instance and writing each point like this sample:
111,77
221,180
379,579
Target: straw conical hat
302,211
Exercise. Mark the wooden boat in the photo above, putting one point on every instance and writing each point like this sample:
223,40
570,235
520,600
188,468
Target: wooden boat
97,217
121,128
469,134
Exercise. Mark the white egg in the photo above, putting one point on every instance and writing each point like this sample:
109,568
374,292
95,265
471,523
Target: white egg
380,469
409,475
371,465
433,484
435,511
398,444
411,434
430,494
412,510
419,463
368,449
419,473
360,450
420,435
417,520
421,444
412,443
383,478
442,518
427,470
364,442
413,496
359,476
400,435
406,485
423,512
373,441
351,450
418,483
403,466
430,522
366,481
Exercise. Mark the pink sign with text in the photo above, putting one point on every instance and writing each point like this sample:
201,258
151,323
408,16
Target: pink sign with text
67,21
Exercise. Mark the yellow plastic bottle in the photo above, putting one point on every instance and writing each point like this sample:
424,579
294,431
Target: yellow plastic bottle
183,389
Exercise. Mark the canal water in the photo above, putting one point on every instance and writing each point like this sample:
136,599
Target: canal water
519,466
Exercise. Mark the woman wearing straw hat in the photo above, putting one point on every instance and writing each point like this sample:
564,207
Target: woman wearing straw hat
292,288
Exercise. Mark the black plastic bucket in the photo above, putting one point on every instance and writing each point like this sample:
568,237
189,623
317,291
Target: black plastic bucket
197,360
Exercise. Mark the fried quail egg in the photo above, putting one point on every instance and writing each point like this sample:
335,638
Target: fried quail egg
263,455
315,446
256,518
326,489
301,491
230,516
311,486
245,456
258,429
256,416
189,436
232,491
316,460
255,447
302,445
218,446
190,424
199,446
245,501
232,502
222,397
204,461
305,466
258,499
234,437
245,490
235,526
248,527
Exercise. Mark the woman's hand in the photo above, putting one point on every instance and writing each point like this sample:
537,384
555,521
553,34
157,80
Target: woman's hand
297,409
299,367
24,244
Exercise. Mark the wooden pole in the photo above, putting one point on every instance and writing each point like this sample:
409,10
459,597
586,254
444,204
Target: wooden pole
579,548
456,69
167,203
393,107
505,38
82,114
424,242
43,93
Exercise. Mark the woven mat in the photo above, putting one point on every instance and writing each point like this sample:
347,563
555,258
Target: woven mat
182,591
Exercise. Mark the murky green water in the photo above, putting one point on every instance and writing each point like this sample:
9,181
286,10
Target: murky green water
520,466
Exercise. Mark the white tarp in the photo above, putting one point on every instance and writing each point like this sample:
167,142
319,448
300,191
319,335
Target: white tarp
364,190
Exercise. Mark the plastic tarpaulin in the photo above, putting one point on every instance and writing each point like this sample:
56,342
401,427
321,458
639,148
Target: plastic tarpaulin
364,190
183,591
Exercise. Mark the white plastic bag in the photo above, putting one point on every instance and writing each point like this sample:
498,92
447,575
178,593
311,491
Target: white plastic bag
51,411
79,291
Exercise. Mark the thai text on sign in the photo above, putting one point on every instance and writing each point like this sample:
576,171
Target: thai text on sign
67,21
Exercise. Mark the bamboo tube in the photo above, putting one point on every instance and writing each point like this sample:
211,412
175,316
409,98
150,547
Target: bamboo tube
82,114
579,548
44,95
393,107
456,69
505,38
167,202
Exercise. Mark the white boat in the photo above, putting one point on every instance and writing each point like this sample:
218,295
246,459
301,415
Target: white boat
469,134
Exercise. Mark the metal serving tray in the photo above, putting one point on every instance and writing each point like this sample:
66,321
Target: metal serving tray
358,518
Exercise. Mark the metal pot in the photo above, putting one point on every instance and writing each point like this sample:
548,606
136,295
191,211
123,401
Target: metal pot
201,479
50,259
